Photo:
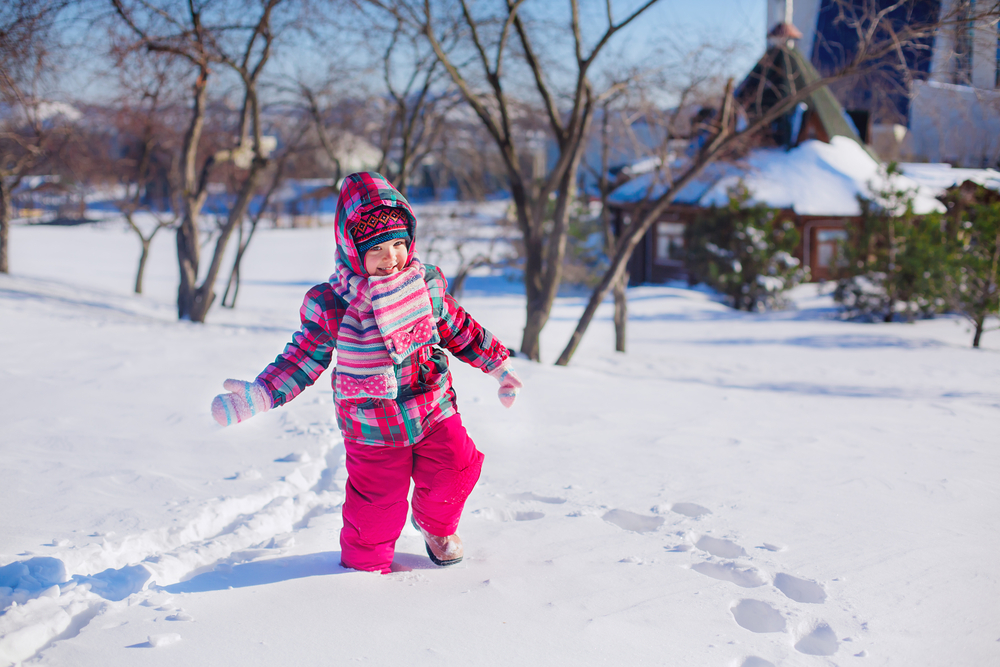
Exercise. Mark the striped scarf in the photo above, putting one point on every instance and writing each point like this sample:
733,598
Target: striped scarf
387,319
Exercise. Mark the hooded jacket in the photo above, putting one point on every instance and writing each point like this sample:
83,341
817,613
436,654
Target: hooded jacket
425,395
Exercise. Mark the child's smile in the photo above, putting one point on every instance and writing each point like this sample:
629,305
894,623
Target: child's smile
387,258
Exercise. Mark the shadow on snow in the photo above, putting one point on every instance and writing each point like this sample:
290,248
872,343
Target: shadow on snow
260,573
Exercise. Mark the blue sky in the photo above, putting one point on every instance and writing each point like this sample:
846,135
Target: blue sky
691,22
683,23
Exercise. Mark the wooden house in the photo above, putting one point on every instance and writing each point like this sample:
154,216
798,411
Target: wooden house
811,164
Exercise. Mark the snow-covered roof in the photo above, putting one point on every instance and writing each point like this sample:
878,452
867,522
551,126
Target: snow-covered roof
940,176
814,178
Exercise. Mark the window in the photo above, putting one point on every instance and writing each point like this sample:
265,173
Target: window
827,242
669,242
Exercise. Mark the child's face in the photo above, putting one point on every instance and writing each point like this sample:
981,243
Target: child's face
387,258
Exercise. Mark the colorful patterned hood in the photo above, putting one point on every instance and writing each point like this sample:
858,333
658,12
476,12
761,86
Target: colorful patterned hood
363,192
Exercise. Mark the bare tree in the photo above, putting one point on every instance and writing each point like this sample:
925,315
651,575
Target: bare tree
277,176
30,126
144,139
205,36
878,39
419,107
465,240
604,186
317,115
635,108
485,82
404,118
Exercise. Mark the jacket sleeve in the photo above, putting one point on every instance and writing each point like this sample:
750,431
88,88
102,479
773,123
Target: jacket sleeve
310,351
467,339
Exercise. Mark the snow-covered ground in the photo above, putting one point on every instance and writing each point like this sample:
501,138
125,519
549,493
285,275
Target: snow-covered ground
737,490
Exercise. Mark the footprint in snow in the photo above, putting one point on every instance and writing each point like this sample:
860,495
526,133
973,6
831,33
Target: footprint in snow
295,457
754,661
528,516
745,577
244,475
690,509
180,615
720,548
159,640
820,640
800,590
637,523
757,616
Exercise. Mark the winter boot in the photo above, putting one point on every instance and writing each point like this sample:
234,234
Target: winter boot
443,551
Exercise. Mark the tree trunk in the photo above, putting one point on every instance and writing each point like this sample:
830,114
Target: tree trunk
533,268
204,295
457,286
234,283
187,260
616,272
889,311
6,213
979,321
621,312
545,254
142,263
188,249
541,282
234,275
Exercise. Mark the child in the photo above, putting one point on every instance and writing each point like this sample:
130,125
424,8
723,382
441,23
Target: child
389,317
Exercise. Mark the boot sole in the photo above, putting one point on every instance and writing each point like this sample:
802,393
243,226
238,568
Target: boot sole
434,559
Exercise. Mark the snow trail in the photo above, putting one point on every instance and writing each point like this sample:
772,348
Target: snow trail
53,598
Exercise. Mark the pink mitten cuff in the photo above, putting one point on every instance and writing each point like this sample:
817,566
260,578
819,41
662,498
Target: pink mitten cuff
510,384
244,400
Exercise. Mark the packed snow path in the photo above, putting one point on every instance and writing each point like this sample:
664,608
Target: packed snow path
739,489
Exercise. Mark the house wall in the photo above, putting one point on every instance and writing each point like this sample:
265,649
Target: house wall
657,259
959,125
948,64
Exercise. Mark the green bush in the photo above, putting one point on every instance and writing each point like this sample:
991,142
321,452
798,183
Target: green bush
973,261
894,262
745,252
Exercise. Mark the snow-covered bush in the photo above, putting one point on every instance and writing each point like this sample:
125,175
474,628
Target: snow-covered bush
894,262
745,252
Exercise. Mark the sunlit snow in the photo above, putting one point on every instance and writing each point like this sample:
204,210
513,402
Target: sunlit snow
737,489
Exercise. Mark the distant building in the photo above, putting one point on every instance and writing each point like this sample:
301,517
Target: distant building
946,110
812,164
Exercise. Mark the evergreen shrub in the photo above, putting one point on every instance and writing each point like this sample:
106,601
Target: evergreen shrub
972,269
894,262
745,251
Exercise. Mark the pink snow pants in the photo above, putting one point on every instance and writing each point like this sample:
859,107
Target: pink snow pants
444,465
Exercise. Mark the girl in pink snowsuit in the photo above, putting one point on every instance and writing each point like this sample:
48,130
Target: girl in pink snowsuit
390,319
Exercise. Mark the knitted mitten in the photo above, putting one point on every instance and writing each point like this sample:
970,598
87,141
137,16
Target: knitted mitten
244,401
510,384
